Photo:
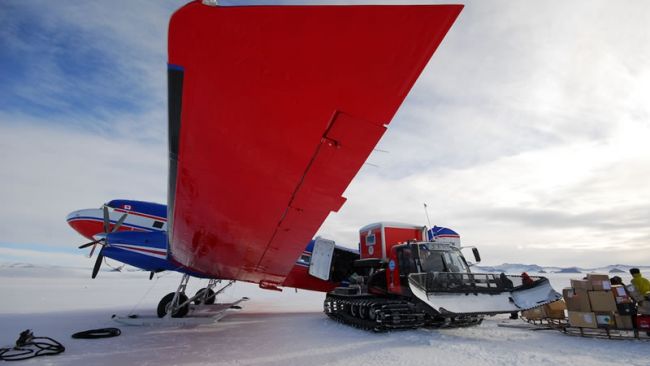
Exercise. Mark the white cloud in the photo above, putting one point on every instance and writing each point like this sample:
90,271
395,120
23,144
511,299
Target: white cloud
49,172
93,59
527,133
584,195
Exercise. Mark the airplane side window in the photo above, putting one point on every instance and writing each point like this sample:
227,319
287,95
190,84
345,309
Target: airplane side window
305,258
158,224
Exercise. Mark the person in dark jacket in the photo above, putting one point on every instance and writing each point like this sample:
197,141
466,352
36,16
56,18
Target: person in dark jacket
616,280
505,281
508,285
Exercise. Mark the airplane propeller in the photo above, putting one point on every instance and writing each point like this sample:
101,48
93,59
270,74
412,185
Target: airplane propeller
102,241
89,244
98,263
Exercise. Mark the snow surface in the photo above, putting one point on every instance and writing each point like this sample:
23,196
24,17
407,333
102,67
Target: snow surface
286,328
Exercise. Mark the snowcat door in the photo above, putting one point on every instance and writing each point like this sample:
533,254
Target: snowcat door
406,263
321,259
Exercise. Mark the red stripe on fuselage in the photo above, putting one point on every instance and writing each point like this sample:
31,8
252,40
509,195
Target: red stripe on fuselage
90,227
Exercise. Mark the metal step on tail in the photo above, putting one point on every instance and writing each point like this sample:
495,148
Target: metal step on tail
480,293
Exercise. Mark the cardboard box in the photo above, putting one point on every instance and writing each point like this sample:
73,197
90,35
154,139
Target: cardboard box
582,319
623,321
626,309
599,282
620,295
555,310
576,299
605,320
534,313
602,301
643,322
581,284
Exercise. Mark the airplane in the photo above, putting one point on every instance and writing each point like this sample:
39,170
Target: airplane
272,111
134,233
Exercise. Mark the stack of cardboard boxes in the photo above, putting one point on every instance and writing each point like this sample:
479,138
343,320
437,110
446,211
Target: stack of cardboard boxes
594,303
554,310
625,308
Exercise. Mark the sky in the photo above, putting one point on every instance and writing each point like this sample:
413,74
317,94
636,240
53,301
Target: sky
528,132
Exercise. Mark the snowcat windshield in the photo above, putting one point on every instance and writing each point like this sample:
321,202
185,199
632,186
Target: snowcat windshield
441,261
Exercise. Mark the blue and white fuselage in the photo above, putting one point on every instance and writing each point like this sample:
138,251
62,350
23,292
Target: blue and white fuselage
140,239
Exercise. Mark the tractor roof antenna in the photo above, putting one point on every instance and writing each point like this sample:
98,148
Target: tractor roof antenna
426,212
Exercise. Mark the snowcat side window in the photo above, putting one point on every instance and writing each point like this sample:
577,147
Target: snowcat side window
454,262
432,261
406,262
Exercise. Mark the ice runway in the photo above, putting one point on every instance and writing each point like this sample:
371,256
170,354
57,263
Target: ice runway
285,328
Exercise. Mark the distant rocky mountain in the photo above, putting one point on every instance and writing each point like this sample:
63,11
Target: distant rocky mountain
569,270
516,268
511,268
16,265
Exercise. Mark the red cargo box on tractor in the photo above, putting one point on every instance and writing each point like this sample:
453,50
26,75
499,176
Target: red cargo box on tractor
376,240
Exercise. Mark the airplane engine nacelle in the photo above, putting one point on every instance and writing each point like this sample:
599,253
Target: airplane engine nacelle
145,250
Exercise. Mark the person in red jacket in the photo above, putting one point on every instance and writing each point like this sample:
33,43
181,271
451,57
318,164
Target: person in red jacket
526,280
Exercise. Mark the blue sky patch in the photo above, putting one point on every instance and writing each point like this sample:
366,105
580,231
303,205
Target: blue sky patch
54,68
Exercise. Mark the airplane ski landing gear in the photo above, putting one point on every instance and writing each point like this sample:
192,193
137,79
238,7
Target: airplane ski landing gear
165,306
207,296
177,304
204,296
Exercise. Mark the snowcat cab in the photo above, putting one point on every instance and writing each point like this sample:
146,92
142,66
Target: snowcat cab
422,257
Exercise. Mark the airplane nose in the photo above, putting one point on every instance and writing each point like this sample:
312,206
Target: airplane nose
73,215
87,222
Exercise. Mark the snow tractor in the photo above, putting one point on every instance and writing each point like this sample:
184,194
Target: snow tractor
408,276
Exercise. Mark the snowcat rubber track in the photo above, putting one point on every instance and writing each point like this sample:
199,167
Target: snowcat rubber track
384,314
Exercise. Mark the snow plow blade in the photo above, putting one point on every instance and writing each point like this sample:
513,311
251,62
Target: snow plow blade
480,293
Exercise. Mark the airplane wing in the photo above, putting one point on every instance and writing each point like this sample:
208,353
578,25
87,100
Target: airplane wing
272,112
